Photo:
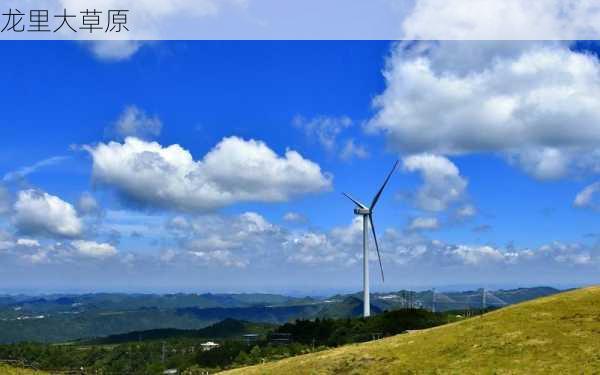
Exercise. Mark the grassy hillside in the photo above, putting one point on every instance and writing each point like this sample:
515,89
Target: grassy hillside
7,370
556,334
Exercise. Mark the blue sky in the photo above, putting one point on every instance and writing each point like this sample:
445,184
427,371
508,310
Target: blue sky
497,142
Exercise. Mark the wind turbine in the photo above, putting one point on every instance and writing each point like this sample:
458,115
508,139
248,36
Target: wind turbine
367,214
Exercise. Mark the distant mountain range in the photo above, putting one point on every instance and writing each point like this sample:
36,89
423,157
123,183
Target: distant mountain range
60,318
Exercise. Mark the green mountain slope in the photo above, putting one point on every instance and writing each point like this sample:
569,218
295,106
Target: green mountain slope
228,328
7,370
556,334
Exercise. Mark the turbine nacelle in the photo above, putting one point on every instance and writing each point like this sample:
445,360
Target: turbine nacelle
362,211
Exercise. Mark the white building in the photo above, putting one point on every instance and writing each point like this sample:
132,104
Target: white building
209,345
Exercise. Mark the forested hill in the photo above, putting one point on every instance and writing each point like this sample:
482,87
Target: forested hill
60,318
225,329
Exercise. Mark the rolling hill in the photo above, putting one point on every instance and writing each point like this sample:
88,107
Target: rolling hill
63,317
225,329
556,334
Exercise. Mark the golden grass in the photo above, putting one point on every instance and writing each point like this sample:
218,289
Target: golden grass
559,334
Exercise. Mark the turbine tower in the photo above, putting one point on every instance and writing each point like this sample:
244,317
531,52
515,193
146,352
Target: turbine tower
367,214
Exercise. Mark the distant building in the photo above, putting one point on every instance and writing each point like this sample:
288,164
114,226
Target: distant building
209,345
251,337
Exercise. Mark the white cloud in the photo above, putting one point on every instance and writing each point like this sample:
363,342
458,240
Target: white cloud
314,248
87,204
221,257
570,253
348,234
538,104
235,170
146,22
466,211
134,122
508,19
114,50
474,255
353,150
25,171
230,241
327,131
37,212
324,129
424,223
28,242
94,249
294,217
442,182
585,198
5,200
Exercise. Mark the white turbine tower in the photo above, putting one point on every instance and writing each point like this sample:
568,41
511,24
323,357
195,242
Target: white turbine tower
367,214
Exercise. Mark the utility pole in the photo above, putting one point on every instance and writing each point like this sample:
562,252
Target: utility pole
433,300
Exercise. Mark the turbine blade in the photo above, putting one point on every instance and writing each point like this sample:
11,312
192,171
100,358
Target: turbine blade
376,198
355,201
376,246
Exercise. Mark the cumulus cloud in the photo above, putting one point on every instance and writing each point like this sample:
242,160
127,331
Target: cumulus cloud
474,255
508,19
316,248
404,250
222,257
134,122
588,197
570,253
58,252
538,106
235,170
37,212
94,249
230,241
147,19
442,182
424,223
